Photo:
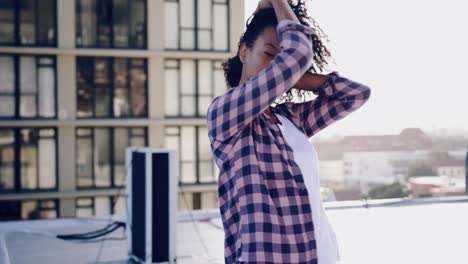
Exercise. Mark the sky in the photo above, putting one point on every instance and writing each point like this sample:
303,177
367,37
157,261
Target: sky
411,53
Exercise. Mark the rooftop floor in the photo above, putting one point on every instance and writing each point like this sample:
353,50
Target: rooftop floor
428,231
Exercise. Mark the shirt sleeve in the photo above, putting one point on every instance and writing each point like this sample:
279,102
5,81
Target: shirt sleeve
229,113
337,97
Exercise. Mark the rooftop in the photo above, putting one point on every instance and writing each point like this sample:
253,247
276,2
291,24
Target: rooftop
429,231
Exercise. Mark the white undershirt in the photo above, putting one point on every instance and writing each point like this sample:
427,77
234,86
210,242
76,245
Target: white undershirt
307,160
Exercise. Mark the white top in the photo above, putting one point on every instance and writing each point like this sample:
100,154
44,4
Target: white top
306,158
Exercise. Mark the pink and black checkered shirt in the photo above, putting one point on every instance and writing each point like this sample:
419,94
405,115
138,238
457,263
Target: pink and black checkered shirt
262,196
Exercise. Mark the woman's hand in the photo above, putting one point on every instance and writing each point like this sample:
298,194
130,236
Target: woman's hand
263,4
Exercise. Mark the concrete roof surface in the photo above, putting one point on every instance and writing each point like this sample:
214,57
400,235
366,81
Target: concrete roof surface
426,232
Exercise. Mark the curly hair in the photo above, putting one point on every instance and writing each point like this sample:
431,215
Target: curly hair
255,25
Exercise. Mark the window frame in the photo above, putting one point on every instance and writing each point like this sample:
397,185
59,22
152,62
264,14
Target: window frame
40,207
17,161
17,27
110,61
112,163
197,28
112,199
17,83
111,22
197,160
197,95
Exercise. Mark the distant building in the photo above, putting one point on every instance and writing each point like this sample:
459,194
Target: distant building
449,167
356,162
428,186
410,139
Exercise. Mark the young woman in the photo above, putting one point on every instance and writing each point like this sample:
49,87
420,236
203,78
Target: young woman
268,186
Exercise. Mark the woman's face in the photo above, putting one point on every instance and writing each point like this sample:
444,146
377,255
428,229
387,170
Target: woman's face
260,55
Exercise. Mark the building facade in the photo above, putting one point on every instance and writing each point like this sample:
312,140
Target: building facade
80,80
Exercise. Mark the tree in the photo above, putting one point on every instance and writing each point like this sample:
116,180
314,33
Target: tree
383,191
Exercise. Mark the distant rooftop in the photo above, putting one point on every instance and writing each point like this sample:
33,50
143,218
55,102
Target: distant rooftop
408,140
423,231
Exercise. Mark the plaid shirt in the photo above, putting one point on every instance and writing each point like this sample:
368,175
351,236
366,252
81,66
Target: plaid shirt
262,196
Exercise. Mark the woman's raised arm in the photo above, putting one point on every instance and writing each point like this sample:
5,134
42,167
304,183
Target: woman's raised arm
229,113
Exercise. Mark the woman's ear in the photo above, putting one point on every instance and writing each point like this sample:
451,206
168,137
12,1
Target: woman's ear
243,50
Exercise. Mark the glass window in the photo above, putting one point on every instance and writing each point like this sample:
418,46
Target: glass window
186,201
28,22
121,22
100,206
7,22
46,209
205,168
104,23
219,81
111,23
101,155
36,87
85,91
187,87
84,207
35,168
86,33
47,159
121,105
46,30
7,87
46,84
196,162
29,175
197,201
102,87
220,27
121,136
119,205
187,154
137,24
137,137
138,87
111,87
28,105
201,25
205,85
172,78
204,17
28,210
191,86
84,157
171,18
187,24
209,200
7,159
38,159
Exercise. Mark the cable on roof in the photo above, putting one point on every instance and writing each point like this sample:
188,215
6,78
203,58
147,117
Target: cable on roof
94,234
